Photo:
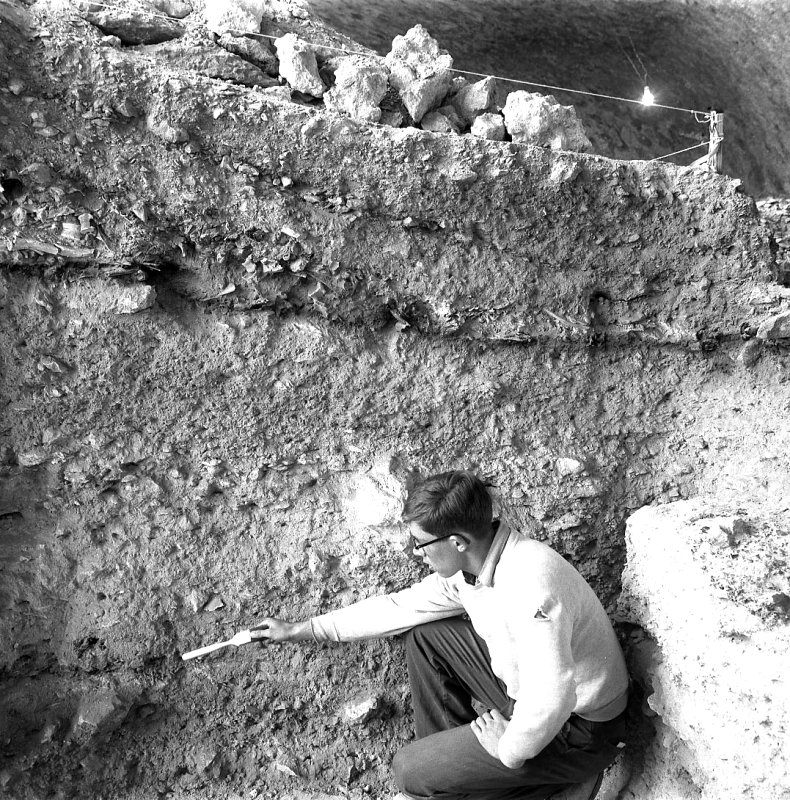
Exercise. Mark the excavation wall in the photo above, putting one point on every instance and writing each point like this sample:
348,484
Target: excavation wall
225,349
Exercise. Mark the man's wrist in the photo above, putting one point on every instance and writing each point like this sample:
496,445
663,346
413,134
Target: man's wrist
300,631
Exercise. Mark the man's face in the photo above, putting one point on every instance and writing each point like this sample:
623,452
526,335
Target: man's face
441,556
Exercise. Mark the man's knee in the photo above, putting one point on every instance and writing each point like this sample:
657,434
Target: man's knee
402,767
431,634
408,769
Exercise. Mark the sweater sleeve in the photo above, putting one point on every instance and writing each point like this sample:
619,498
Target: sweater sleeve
546,694
388,614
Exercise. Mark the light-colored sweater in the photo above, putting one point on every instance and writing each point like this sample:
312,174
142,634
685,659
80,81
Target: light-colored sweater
548,635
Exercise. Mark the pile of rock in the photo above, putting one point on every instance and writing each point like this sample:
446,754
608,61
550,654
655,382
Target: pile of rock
414,85
428,93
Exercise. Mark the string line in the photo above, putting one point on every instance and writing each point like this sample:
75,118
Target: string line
685,150
469,72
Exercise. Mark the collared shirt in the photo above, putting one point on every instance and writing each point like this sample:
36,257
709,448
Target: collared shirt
549,638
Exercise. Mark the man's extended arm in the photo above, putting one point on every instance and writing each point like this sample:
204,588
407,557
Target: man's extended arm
383,615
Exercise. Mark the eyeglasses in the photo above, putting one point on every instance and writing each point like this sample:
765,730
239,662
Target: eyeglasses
415,545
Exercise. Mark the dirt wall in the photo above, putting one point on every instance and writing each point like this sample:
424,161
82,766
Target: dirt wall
216,385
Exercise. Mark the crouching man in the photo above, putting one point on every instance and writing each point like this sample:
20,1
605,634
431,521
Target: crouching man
505,621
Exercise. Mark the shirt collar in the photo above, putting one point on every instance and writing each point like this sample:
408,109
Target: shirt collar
486,576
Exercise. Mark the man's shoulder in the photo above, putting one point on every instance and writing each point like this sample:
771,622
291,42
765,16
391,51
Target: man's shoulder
522,546
531,559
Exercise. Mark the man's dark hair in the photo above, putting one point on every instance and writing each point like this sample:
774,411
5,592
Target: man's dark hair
450,502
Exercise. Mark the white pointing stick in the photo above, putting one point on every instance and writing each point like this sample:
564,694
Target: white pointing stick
243,637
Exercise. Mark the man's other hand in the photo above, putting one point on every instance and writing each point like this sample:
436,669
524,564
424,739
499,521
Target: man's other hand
488,728
276,630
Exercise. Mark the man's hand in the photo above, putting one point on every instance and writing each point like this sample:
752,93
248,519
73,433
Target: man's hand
488,728
276,630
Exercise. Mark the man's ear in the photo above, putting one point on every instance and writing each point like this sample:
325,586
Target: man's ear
461,545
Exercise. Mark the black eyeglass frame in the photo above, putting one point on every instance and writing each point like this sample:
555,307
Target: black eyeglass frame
415,545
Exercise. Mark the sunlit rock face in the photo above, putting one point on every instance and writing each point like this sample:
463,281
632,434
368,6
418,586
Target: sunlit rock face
707,582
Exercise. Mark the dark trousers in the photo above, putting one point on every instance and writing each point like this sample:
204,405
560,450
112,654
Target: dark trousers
449,665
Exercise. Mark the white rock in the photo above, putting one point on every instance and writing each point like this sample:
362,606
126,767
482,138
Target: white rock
716,660
178,9
540,120
419,70
569,466
475,99
360,85
111,297
489,126
298,65
438,122
361,708
777,327
234,16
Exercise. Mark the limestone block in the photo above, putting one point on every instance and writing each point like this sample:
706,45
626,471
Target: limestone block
135,25
109,297
777,327
709,588
489,126
750,353
540,120
361,708
298,65
569,466
360,85
256,51
419,70
173,8
475,99
440,122
233,16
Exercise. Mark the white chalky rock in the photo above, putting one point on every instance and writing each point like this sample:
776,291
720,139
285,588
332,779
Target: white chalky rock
111,297
475,99
777,327
540,120
704,586
360,85
419,70
298,65
489,126
233,16
569,466
177,9
439,122
361,708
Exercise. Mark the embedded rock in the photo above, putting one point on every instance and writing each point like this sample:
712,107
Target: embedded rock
705,580
139,25
750,353
178,9
475,99
211,61
361,708
540,120
109,297
419,70
777,327
489,126
360,86
298,65
233,16
250,48
440,121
